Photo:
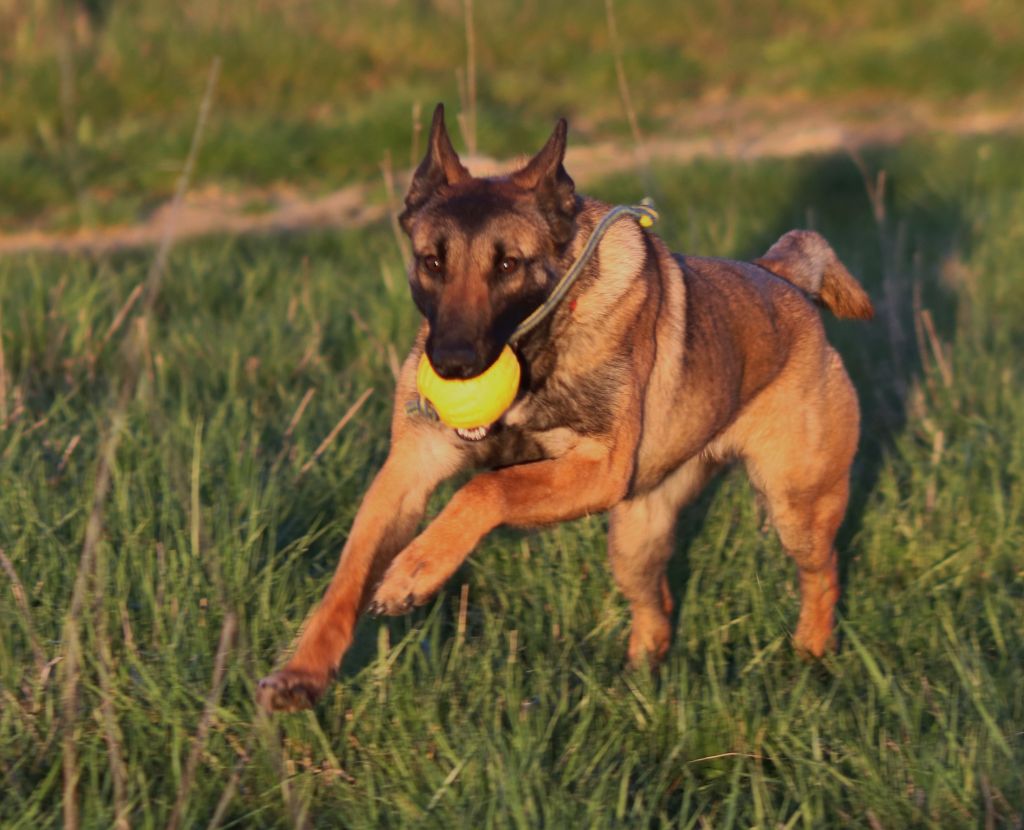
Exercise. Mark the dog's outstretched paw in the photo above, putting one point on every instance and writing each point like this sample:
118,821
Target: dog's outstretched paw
410,581
386,602
289,691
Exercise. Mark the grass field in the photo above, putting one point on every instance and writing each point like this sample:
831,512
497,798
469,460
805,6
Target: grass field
504,702
520,714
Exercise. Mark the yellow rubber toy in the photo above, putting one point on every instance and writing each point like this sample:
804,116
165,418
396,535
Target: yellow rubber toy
472,403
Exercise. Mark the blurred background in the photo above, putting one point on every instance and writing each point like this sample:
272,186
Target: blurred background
100,96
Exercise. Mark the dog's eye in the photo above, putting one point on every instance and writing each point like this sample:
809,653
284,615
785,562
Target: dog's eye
508,264
432,264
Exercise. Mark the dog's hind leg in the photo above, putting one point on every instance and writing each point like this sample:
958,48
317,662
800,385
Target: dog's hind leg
802,465
807,523
640,543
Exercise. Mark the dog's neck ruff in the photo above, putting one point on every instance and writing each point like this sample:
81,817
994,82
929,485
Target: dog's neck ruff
645,214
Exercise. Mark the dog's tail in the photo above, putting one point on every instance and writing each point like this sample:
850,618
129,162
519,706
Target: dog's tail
805,259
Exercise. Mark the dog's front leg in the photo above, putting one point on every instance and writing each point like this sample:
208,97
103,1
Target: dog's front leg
386,521
590,478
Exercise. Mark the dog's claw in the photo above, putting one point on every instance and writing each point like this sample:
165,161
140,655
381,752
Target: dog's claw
408,603
285,691
374,609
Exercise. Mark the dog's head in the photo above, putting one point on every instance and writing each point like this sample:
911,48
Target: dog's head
484,249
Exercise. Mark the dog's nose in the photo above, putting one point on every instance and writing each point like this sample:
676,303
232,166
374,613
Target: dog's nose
457,360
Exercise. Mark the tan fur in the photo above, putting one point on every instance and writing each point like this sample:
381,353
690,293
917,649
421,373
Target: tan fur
654,372
641,536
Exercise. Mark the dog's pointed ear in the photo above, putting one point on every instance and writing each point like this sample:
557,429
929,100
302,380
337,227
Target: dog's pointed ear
545,175
440,166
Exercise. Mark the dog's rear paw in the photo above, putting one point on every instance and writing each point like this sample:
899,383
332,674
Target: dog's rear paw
813,643
289,691
649,641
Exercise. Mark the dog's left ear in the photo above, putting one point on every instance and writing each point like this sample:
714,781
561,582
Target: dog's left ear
440,167
555,191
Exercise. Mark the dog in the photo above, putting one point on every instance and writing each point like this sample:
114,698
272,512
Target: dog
654,371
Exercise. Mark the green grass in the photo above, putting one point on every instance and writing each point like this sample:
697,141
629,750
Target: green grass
526,718
316,93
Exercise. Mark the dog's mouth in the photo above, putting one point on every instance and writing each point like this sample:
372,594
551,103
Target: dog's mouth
475,434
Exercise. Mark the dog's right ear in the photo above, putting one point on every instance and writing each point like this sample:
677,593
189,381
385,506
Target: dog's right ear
440,166
545,175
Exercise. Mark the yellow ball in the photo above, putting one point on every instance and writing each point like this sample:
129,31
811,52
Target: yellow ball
472,403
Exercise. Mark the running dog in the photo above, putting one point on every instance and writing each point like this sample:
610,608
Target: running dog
653,372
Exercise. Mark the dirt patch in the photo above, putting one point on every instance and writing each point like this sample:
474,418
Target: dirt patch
726,132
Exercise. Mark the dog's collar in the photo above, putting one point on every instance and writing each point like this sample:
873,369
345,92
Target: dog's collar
645,214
